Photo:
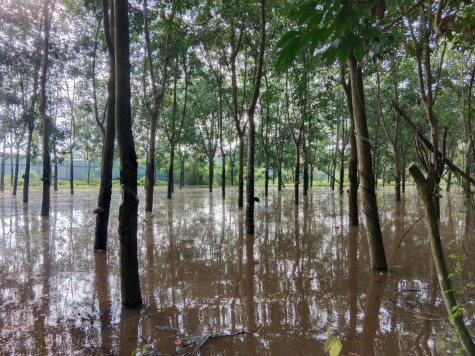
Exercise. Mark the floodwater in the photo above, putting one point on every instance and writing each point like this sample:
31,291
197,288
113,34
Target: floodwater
210,289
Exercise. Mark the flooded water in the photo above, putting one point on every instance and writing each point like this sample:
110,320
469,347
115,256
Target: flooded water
208,288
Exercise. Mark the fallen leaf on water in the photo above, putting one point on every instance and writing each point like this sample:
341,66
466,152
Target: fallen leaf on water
411,302
337,227
353,354
178,342
311,278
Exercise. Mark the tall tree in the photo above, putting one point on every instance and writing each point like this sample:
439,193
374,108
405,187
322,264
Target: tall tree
107,161
47,15
252,126
128,208
157,97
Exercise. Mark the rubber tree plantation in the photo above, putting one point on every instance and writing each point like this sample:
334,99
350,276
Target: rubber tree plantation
226,177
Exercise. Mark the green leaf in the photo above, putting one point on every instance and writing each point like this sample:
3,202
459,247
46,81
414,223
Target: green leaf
358,49
287,37
335,348
329,343
306,12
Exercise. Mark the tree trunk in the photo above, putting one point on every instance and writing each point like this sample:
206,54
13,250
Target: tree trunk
370,206
342,170
252,128
17,163
107,162
353,162
305,176
223,177
311,175
11,164
426,191
128,207
296,175
232,174
42,109
26,177
403,187
211,173
55,177
71,172
170,172
449,180
466,182
241,173
88,172
266,176
279,175
2,173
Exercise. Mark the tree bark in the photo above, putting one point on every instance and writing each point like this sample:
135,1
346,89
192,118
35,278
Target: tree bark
71,172
211,173
45,204
370,206
17,163
26,177
128,208
426,191
170,172
353,162
252,128
105,190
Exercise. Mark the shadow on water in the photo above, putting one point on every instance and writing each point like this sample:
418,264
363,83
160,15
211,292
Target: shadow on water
276,292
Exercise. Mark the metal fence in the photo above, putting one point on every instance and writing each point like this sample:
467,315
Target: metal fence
80,171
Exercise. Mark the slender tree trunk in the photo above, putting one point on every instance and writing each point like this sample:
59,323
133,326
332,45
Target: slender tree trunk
42,109
252,128
353,161
2,173
223,176
211,173
296,175
11,164
107,162
170,172
305,176
26,177
370,206
468,161
88,172
71,172
128,207
266,176
342,170
403,170
426,190
311,176
55,178
241,173
17,163
279,175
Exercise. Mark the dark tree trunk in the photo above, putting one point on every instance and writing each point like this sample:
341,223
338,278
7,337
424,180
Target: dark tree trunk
342,171
403,171
223,176
26,178
232,174
211,173
105,190
170,172
42,109
241,173
252,128
266,176
55,179
305,177
279,175
128,208
17,163
311,176
71,172
11,164
370,206
296,175
2,173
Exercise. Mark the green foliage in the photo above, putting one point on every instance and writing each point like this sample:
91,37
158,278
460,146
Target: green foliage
332,344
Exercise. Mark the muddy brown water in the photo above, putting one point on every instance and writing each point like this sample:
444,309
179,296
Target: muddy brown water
303,272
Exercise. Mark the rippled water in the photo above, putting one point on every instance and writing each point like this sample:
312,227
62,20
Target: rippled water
303,272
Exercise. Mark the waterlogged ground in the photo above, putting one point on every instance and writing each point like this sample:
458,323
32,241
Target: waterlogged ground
302,273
